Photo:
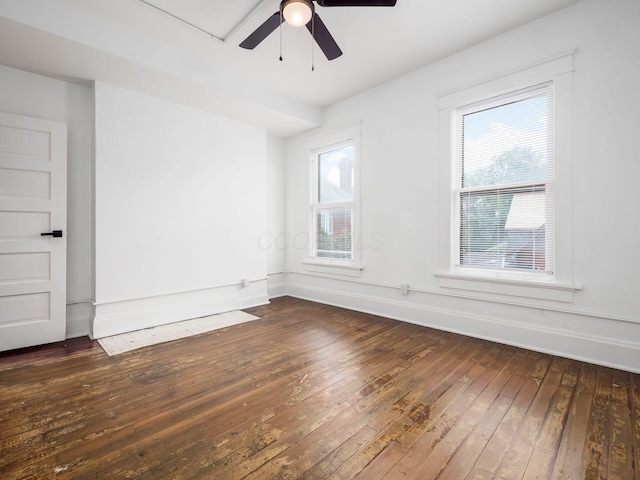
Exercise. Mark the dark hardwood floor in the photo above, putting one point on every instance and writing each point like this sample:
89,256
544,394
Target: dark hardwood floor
312,391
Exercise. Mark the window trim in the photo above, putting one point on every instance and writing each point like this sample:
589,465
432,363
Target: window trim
316,145
559,71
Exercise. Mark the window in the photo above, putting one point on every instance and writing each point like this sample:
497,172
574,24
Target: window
332,205
503,192
506,184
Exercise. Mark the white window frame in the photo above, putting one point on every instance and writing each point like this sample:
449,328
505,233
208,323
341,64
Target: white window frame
560,285
316,145
316,205
458,190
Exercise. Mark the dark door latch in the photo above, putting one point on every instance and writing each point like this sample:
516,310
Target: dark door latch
55,233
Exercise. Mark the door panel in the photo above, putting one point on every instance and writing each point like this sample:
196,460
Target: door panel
33,190
22,183
25,309
16,225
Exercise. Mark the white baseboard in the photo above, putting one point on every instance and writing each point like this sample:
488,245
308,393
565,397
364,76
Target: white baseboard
277,286
253,301
130,315
79,319
620,353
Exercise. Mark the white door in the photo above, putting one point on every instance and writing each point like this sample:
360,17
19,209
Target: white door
33,201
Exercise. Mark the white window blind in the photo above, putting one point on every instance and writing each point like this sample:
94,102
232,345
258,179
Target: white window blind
332,203
504,186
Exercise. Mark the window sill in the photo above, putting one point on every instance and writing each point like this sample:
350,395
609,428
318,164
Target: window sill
541,290
333,268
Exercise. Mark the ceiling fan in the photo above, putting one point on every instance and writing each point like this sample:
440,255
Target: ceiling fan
299,13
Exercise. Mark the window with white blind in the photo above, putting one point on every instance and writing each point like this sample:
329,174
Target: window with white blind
506,184
503,190
332,205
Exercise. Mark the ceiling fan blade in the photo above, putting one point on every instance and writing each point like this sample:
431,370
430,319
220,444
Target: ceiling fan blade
323,38
356,3
262,32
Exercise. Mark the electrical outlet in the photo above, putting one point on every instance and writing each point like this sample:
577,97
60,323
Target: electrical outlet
404,289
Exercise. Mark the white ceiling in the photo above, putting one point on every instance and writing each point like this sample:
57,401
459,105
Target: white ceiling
134,45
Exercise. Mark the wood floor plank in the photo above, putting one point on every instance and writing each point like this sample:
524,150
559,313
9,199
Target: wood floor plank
596,453
324,440
315,391
294,424
461,417
379,467
475,443
544,453
332,462
454,456
442,413
635,415
621,437
386,404
364,457
568,464
522,387
518,456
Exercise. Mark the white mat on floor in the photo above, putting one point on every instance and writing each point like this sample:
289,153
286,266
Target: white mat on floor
126,342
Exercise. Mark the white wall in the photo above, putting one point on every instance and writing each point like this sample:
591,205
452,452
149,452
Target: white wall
402,208
180,205
24,93
274,238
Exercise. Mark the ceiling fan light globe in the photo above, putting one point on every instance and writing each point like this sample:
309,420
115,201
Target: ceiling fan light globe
297,12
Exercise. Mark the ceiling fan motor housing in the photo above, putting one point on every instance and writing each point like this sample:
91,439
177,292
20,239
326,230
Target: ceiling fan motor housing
297,12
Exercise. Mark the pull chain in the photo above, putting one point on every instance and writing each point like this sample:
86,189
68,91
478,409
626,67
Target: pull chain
280,32
313,39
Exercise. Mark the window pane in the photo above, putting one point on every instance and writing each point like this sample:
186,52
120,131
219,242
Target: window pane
504,229
333,232
335,176
505,182
508,144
